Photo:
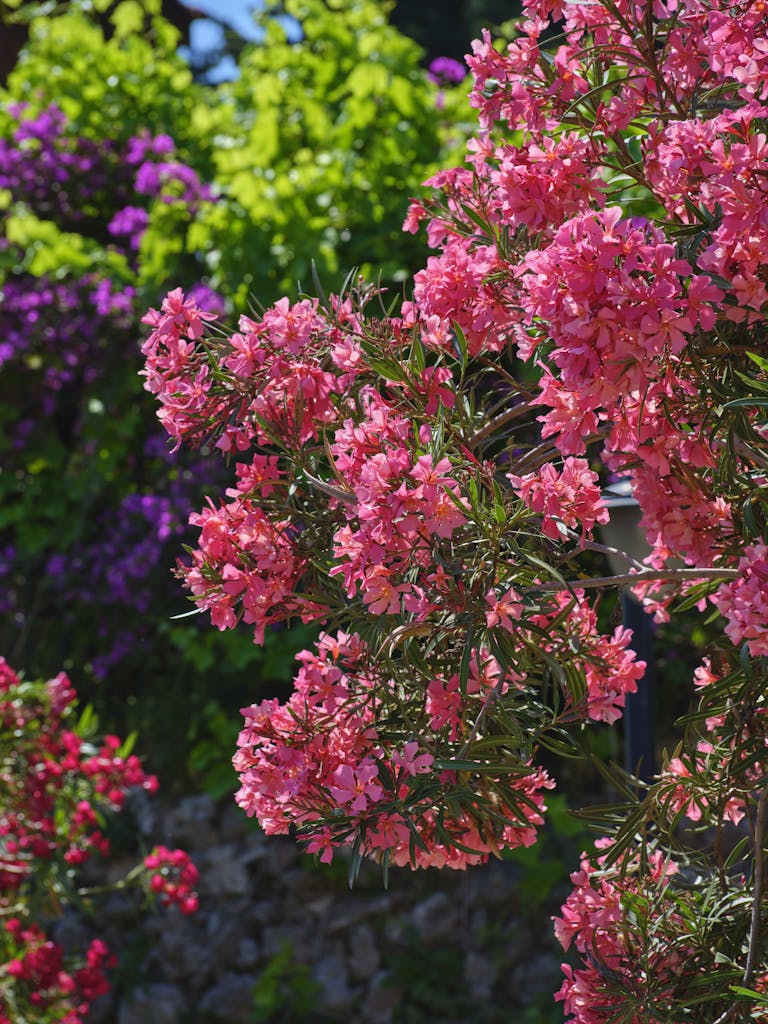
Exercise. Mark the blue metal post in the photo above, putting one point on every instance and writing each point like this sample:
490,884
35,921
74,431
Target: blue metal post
639,725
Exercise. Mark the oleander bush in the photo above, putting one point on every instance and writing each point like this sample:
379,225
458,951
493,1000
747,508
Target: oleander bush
403,481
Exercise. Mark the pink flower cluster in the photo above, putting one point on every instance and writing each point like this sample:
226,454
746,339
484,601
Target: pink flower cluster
319,763
173,877
611,295
605,299
716,780
175,372
620,959
251,564
699,787
398,505
279,385
744,602
568,498
610,667
247,559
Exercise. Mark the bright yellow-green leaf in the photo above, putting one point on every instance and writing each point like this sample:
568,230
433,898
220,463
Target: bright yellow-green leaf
128,17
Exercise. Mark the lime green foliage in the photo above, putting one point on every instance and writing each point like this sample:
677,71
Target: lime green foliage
323,143
112,88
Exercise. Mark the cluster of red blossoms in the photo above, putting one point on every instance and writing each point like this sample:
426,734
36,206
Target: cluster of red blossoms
56,786
173,878
52,766
39,982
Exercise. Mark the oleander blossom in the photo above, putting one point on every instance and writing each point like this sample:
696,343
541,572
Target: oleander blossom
42,982
401,474
56,789
618,959
172,877
609,664
692,791
744,601
244,559
319,764
570,498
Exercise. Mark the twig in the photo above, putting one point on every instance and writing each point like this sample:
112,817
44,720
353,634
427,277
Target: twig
347,497
480,720
605,549
498,421
726,1015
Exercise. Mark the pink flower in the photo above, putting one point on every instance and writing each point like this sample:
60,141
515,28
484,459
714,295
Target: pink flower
410,761
744,602
504,611
570,497
356,786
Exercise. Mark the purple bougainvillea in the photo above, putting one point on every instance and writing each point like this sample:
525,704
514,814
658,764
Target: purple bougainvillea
92,505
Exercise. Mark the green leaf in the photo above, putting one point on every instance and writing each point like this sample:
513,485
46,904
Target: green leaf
389,369
466,658
418,358
741,403
463,765
461,344
749,993
128,744
355,860
88,723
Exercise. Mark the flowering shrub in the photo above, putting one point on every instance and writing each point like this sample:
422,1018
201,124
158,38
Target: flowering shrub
404,481
57,786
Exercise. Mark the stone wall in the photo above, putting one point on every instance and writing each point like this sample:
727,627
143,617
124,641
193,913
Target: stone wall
281,940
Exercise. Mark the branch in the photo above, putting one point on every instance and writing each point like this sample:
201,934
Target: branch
480,720
605,549
632,578
499,421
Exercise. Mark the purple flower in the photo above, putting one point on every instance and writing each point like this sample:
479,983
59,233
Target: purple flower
132,221
446,71
108,301
206,298
172,182
141,146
